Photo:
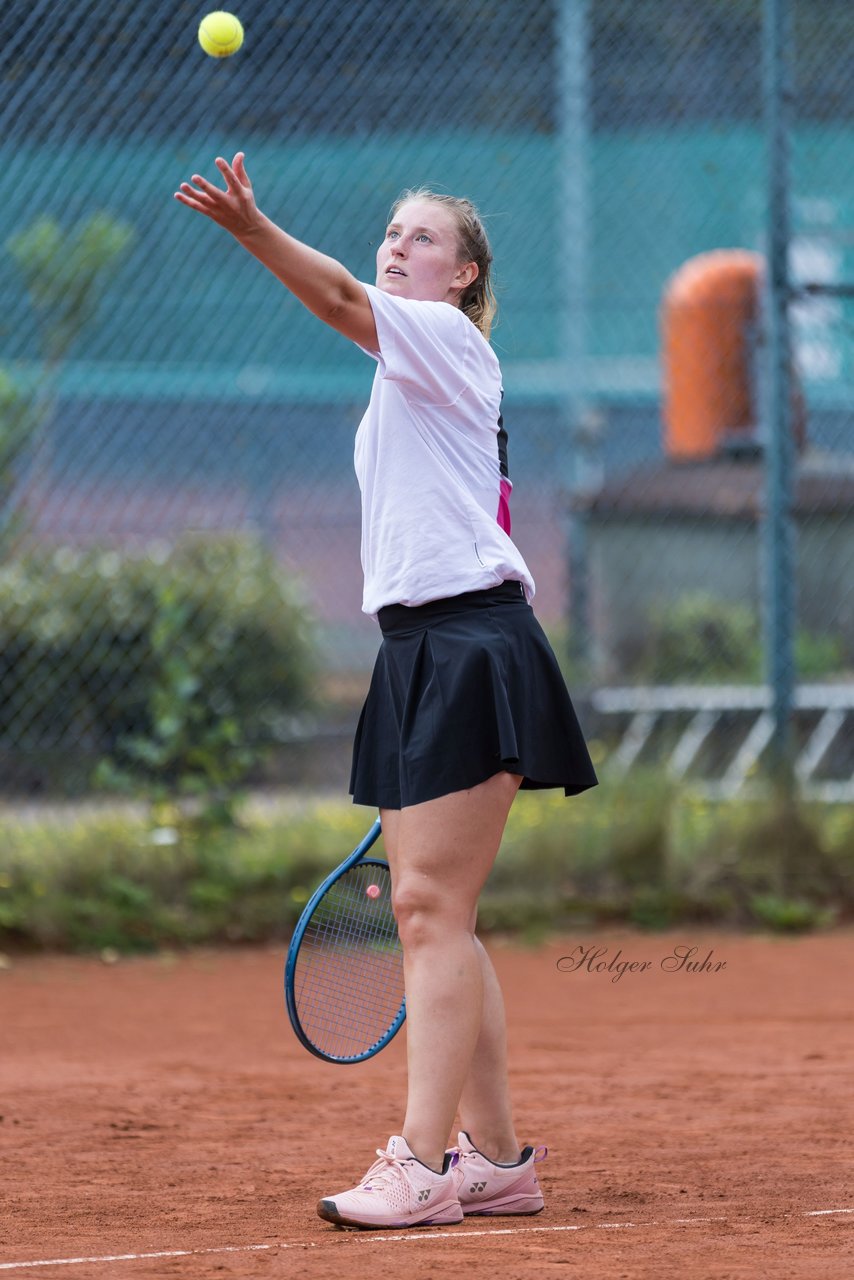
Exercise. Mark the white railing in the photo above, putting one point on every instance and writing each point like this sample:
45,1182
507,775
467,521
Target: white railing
648,708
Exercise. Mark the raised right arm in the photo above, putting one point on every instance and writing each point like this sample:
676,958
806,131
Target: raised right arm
322,284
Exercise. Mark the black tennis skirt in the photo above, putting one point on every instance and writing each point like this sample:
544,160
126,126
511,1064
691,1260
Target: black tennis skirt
462,689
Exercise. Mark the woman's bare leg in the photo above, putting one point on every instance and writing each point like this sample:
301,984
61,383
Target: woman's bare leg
440,854
485,1110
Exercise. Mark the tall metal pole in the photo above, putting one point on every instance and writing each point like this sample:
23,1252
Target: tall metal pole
572,17
778,534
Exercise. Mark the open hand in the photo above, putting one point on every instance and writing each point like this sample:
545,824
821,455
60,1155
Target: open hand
235,208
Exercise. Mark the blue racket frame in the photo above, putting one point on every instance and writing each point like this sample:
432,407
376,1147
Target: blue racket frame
358,855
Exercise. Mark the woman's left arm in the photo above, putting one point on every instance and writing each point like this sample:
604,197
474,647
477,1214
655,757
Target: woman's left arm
321,283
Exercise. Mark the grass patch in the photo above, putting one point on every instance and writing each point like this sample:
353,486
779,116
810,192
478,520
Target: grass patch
636,850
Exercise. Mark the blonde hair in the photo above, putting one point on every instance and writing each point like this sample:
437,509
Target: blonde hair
478,299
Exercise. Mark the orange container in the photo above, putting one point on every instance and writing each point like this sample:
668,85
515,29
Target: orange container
709,312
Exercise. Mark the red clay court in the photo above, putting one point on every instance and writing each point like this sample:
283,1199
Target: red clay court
160,1119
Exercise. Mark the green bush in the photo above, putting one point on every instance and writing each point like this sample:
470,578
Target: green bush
776,862
176,662
700,638
112,882
785,916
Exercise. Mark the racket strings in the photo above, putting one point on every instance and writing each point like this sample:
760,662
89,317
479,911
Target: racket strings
348,981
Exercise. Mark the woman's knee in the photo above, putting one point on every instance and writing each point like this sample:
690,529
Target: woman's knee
425,914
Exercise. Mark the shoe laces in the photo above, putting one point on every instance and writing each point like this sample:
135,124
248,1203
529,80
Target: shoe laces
384,1172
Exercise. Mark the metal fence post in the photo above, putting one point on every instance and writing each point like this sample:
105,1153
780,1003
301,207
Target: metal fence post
572,191
778,534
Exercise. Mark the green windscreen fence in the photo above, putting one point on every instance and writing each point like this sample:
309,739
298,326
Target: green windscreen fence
170,416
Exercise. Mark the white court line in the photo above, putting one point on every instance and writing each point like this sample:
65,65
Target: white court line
720,1218
373,1238
161,1253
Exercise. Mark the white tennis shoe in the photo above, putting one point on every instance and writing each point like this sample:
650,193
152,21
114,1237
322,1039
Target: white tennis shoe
397,1191
485,1188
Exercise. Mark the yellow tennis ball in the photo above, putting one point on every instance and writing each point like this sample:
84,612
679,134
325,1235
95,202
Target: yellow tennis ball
220,34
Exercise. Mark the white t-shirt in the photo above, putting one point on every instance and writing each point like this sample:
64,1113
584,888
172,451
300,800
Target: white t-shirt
428,460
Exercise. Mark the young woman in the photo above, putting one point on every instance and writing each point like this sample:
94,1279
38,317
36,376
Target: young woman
466,702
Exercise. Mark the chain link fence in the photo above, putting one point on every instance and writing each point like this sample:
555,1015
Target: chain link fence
179,522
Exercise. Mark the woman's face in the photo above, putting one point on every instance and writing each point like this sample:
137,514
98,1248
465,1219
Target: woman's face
419,257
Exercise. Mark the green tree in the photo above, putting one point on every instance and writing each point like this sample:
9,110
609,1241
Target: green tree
64,273
18,420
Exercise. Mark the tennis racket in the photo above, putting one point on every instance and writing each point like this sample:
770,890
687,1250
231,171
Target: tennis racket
344,971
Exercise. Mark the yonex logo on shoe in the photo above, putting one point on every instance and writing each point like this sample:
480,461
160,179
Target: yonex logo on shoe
477,1186
424,1195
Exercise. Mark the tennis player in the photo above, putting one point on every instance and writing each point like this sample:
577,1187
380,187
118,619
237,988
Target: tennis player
466,703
